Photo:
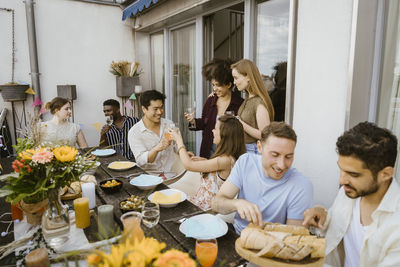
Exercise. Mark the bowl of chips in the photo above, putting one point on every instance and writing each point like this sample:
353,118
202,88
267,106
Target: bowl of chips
111,185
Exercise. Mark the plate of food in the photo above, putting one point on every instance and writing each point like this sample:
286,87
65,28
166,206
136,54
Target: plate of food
146,182
281,246
204,226
167,198
103,152
132,203
121,165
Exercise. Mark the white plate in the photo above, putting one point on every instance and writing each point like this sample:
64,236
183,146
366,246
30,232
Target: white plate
169,192
204,226
131,165
146,182
103,152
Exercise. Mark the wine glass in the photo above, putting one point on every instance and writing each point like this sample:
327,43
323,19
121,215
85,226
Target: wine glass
206,251
109,120
150,214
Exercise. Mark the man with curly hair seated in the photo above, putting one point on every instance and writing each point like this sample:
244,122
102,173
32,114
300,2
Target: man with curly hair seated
362,226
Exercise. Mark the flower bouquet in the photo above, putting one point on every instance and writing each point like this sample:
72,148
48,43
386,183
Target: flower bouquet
40,172
146,252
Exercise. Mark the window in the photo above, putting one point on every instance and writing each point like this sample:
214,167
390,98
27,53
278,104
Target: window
388,114
183,46
157,61
272,50
272,34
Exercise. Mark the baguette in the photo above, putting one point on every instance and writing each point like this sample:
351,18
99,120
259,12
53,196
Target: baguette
293,229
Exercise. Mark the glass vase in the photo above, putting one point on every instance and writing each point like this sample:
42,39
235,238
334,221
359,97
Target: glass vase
55,220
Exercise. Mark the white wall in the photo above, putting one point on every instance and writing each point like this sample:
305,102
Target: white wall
323,43
76,43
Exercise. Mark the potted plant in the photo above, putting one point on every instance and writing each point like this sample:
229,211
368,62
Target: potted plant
127,76
13,91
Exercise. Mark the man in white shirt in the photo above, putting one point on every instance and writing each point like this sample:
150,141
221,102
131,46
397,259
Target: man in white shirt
148,140
362,226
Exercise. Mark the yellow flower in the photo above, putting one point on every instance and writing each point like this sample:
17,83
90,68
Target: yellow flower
27,154
174,258
65,153
139,254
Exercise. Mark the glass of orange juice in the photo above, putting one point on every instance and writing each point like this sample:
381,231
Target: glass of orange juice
206,251
131,222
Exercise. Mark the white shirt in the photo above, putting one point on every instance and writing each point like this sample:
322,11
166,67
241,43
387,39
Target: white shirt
142,140
353,238
381,243
59,134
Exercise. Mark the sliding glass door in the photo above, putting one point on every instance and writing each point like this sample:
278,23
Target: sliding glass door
182,47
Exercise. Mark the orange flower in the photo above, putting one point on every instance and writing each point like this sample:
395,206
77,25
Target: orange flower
174,258
94,258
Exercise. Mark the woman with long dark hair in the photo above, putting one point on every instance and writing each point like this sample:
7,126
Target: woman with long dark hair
228,136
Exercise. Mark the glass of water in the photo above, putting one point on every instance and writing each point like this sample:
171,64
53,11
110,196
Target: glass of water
109,120
150,214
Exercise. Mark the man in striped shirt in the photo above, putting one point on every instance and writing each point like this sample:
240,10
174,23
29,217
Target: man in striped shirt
116,134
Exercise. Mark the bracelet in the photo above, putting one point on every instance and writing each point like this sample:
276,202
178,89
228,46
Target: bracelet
179,149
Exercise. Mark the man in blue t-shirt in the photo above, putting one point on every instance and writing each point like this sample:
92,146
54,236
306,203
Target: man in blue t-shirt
268,189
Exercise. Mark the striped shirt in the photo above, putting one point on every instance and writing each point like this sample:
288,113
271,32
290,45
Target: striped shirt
118,138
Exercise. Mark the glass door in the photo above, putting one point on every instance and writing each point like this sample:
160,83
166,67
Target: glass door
183,45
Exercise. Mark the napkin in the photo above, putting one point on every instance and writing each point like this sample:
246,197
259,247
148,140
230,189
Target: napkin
161,198
203,226
145,179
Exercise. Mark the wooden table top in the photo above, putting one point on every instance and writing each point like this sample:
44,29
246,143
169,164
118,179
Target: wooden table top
167,232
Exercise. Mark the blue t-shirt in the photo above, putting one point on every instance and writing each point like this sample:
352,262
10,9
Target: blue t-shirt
278,200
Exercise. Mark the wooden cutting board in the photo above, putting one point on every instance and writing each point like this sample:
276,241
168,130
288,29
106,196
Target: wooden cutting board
251,256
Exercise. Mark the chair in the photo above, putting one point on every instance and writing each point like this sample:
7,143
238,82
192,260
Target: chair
177,168
188,183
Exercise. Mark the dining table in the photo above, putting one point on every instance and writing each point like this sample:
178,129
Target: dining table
167,230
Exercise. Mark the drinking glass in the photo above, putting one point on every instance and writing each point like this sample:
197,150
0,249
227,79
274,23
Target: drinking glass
131,222
190,111
206,251
150,214
109,120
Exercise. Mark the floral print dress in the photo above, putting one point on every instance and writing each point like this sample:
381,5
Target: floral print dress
210,184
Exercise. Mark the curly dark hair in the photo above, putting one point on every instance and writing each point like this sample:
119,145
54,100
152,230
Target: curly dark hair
150,95
376,147
111,102
220,70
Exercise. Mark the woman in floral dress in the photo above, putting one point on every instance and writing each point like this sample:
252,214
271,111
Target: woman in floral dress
229,138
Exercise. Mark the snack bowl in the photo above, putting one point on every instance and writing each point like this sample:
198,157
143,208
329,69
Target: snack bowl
92,170
146,182
109,186
169,192
133,203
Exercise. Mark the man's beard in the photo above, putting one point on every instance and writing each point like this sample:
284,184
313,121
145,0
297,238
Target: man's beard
372,189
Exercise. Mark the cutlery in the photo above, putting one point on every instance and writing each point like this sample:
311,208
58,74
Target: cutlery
184,216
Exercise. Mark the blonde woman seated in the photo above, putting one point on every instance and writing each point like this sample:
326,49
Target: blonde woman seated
229,138
59,130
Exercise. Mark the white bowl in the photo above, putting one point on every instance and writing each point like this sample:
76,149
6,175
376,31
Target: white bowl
103,152
92,170
146,182
169,192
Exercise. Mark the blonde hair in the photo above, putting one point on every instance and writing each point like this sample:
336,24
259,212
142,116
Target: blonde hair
56,104
256,85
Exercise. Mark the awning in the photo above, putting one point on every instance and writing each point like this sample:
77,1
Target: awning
136,7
